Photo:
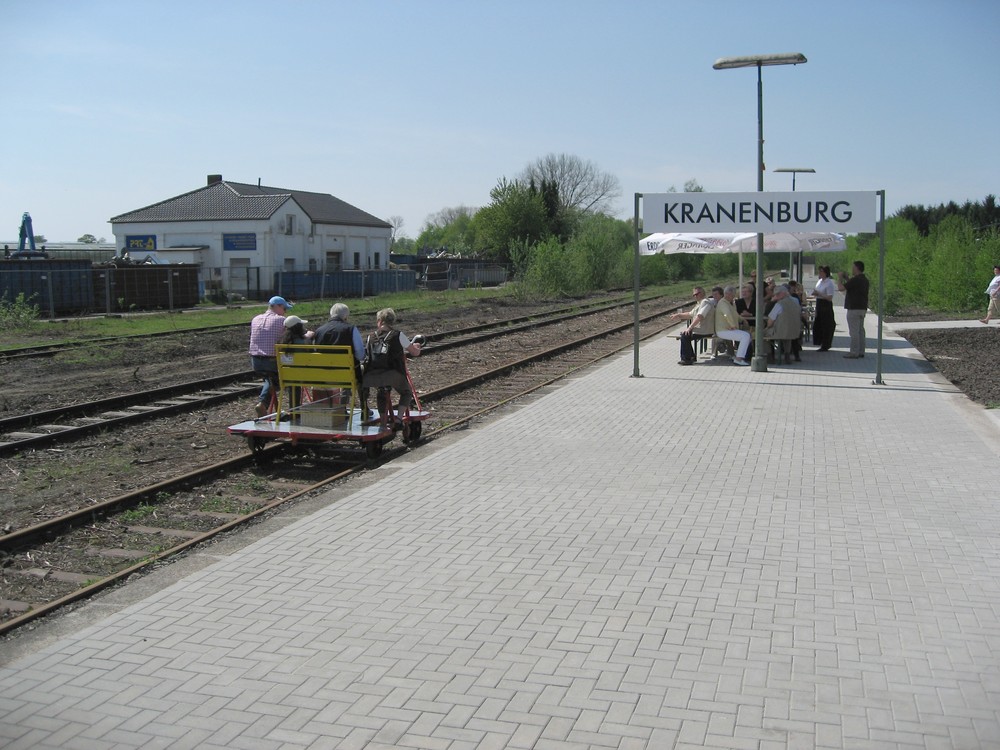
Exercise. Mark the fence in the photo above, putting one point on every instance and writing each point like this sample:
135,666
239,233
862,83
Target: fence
68,287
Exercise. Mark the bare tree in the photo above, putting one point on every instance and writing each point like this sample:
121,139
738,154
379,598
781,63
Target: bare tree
581,185
449,215
397,224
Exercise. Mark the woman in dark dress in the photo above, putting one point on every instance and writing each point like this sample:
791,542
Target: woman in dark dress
824,324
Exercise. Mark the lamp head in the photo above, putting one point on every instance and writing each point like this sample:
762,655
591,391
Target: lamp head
752,61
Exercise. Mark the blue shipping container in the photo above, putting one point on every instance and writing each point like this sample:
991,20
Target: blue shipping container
55,286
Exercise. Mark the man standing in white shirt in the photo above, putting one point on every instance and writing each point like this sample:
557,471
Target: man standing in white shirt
993,290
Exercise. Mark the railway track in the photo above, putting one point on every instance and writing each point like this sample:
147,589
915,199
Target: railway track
52,349
63,424
85,551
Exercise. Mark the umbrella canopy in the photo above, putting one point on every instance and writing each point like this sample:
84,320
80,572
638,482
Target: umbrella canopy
668,243
791,242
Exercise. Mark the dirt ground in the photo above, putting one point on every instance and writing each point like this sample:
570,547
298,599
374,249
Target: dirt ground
966,356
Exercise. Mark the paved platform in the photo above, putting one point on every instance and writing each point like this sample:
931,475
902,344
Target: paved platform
700,557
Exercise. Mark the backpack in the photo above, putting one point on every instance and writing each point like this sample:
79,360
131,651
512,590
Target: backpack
377,352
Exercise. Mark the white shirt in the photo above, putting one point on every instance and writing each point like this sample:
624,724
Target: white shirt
824,288
994,286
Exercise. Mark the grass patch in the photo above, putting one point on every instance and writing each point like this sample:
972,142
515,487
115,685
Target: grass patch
34,331
31,331
254,484
227,505
139,513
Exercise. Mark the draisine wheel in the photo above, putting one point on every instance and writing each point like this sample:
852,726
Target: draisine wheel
256,445
411,431
373,448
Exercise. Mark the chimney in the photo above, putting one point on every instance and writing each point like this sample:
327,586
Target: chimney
214,178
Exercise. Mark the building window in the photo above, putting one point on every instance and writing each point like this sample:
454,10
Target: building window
377,260
290,224
357,260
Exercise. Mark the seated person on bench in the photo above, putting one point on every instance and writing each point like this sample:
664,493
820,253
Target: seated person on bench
701,325
784,324
385,361
727,322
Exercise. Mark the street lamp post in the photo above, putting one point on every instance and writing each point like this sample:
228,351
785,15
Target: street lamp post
795,171
759,361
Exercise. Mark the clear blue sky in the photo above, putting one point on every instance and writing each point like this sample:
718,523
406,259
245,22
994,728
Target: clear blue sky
406,108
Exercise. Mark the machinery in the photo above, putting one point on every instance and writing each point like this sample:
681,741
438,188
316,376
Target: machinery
27,235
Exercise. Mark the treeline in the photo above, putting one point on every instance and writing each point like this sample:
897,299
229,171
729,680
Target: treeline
552,225
982,216
946,269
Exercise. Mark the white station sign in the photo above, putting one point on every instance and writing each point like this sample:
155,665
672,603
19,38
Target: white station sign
759,212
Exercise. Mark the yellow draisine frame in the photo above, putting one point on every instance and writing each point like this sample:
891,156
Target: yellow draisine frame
321,368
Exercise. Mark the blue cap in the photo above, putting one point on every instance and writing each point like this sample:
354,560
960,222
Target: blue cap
281,301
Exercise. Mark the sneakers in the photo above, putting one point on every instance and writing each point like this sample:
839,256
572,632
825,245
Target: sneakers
741,362
260,408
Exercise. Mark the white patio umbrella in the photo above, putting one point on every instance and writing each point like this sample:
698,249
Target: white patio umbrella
703,243
669,243
791,242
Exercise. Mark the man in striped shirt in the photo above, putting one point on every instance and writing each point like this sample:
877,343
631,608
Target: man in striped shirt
266,330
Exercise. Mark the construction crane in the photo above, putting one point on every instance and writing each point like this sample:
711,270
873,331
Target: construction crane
26,233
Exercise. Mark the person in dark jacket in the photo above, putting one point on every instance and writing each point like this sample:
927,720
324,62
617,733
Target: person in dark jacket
338,332
855,291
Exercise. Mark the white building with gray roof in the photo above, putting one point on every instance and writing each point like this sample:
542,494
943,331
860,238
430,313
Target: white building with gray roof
232,227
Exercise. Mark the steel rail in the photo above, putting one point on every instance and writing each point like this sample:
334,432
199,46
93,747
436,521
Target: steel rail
86,592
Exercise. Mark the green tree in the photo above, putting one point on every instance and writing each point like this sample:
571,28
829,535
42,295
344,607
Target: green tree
450,229
516,214
87,239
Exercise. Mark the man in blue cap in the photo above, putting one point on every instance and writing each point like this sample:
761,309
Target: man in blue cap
266,330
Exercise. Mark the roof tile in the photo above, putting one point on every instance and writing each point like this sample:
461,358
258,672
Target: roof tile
229,201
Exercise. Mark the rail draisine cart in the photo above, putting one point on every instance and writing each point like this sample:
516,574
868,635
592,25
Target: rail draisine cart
319,401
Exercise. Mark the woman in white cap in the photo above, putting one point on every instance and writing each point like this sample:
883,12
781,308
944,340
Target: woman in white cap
295,331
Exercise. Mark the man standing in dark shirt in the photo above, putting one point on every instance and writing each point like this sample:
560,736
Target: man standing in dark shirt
855,291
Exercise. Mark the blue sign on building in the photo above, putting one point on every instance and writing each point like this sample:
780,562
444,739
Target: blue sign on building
145,242
245,242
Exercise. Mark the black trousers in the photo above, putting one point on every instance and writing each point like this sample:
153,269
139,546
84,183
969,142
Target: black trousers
687,345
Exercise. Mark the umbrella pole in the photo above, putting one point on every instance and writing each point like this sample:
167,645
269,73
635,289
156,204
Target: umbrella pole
759,361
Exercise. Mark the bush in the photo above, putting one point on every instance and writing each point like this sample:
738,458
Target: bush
18,314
